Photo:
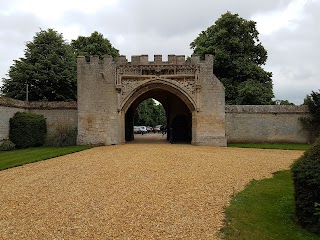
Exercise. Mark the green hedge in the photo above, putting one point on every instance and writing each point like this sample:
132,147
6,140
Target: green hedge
27,130
306,178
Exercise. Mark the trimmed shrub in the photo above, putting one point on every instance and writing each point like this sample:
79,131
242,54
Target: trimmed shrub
64,136
27,130
7,145
306,179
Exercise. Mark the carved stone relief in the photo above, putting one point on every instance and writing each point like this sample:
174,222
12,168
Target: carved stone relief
130,78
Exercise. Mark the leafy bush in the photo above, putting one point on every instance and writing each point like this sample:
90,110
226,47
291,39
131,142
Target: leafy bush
312,124
306,179
64,136
7,145
27,130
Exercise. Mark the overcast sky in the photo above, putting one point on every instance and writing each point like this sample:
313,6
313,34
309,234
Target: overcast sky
289,30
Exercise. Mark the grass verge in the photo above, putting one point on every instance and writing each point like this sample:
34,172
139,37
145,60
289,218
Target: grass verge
271,146
9,159
264,210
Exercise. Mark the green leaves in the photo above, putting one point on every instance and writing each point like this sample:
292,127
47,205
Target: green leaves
49,69
239,56
312,123
96,44
149,114
49,66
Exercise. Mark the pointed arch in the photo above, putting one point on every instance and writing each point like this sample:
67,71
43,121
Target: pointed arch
162,84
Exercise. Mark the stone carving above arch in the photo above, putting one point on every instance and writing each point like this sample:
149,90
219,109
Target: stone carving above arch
184,78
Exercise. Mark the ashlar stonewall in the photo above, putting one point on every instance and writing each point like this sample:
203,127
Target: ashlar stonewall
110,91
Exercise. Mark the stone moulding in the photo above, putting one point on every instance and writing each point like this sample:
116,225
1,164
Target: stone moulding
130,78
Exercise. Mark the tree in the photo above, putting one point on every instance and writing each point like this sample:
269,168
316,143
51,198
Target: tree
282,102
239,56
48,68
148,113
312,123
96,44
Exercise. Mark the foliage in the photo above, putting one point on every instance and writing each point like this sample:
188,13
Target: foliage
27,130
317,207
95,44
306,178
312,124
149,113
288,146
282,102
63,136
239,56
48,67
23,156
7,145
264,210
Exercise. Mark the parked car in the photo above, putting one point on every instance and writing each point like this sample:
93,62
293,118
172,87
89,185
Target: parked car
143,129
136,129
157,128
149,129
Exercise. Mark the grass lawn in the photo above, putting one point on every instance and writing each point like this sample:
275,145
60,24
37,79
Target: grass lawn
9,159
271,146
265,210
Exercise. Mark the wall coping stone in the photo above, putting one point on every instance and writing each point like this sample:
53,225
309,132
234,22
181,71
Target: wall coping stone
267,109
9,102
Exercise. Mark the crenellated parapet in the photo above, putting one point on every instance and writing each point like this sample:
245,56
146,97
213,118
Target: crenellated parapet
144,60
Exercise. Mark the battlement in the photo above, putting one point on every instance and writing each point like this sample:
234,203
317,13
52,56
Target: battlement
144,60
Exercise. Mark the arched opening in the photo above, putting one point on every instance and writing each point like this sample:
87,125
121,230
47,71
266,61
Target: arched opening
178,113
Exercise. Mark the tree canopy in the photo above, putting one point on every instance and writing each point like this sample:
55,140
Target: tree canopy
312,123
48,68
239,56
95,44
148,113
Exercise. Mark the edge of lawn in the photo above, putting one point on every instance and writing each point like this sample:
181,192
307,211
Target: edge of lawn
280,146
19,157
265,208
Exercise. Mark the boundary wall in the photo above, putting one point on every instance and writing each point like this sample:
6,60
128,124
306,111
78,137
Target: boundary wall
57,114
244,124
265,124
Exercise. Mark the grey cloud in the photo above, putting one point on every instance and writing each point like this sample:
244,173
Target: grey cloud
167,27
16,30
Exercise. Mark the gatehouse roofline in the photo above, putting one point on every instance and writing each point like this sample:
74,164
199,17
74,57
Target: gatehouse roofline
144,60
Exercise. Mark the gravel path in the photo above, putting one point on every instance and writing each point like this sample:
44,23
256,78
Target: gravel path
131,191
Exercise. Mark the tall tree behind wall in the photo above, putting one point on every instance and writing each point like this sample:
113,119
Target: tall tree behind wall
48,67
95,44
239,56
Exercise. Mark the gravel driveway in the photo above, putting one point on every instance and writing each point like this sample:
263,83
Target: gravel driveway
131,191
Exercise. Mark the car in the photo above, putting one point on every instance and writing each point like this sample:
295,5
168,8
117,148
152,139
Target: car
136,129
157,128
149,129
143,129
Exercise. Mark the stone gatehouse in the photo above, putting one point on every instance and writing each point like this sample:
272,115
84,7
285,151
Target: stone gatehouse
109,93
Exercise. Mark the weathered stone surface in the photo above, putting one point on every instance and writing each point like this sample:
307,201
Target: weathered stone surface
109,92
57,114
266,124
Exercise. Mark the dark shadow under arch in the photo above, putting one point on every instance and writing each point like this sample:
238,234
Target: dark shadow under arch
178,112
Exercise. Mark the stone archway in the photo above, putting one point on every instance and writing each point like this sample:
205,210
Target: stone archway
108,91
174,102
